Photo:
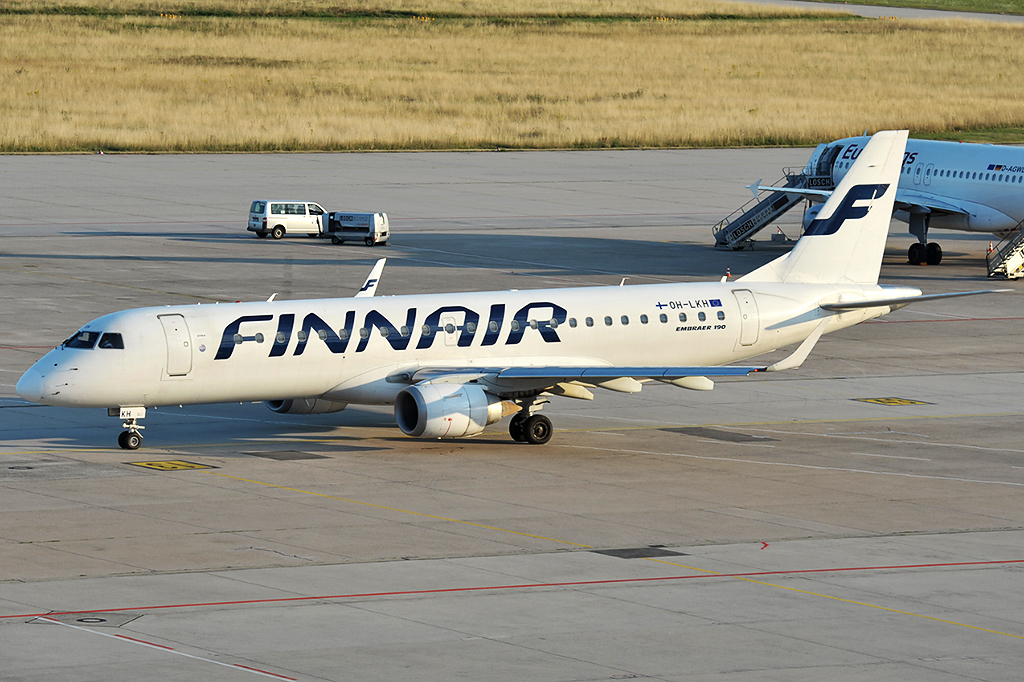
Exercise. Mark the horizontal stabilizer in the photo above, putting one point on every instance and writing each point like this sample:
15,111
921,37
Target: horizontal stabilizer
903,300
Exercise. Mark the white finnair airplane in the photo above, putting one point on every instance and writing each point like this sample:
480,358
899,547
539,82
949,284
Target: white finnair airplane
453,363
947,185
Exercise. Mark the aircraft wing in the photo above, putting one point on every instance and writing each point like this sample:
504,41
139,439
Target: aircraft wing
614,378
909,199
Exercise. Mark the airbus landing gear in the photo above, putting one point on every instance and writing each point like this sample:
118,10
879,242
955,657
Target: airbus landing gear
922,251
130,438
528,427
930,253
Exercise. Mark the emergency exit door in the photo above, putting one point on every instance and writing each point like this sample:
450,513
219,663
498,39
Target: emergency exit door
179,346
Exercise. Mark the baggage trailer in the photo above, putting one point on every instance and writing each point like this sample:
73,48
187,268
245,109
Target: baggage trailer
369,228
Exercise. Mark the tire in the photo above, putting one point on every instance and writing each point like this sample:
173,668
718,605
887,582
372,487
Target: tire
916,254
335,240
277,232
515,428
537,430
368,241
120,440
261,235
133,440
933,254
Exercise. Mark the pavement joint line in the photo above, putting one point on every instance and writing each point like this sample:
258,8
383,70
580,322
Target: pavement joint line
792,465
494,588
403,511
846,601
161,647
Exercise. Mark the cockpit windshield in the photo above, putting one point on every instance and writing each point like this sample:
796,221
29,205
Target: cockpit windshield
85,339
82,339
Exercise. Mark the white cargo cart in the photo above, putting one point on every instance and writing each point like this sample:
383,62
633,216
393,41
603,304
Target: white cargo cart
369,228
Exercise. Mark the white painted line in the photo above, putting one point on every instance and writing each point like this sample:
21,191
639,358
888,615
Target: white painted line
161,647
729,442
791,465
887,440
868,454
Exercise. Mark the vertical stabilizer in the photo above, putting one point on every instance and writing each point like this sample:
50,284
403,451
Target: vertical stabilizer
846,241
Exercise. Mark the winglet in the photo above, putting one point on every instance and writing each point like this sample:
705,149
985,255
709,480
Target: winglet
801,353
755,186
370,285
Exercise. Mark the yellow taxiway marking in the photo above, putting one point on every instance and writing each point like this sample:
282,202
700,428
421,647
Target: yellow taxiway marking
842,599
891,402
402,511
172,465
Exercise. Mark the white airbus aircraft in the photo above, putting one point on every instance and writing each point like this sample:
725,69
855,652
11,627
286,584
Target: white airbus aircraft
948,185
453,363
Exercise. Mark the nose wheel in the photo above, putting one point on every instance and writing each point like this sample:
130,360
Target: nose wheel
131,437
129,440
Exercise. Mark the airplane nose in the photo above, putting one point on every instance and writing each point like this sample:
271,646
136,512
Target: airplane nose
30,386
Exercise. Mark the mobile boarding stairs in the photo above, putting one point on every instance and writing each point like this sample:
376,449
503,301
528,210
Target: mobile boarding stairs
737,230
1006,260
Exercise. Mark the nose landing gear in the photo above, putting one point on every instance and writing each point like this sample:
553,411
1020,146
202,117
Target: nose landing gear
131,438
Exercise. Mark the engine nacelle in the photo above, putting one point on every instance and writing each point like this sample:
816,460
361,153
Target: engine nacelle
811,213
445,410
304,406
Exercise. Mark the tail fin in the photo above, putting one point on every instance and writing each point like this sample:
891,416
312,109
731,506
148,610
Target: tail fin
846,241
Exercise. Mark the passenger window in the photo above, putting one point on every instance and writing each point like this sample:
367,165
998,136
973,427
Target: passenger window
364,333
385,332
301,336
492,326
624,319
682,317
277,209
533,324
259,337
701,316
515,325
553,323
572,322
663,317
721,315
404,331
449,328
315,210
322,334
470,327
82,340
257,207
426,330
280,337
607,321
342,334
111,340
643,319
590,322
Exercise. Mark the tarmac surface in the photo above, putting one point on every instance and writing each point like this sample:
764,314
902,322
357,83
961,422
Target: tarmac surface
776,528
884,12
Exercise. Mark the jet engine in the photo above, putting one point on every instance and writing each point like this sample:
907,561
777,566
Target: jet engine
445,410
811,213
305,406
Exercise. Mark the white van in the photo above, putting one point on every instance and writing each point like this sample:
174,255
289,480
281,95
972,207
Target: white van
278,218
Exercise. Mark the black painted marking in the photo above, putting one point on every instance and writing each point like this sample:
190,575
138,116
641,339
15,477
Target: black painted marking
718,434
638,552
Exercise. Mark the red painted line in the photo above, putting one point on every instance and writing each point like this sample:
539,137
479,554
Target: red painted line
952,319
263,672
142,641
496,588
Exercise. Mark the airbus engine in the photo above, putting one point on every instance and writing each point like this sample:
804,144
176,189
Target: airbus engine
305,406
445,410
811,213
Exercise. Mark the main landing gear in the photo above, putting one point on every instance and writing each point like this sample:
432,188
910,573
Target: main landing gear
528,427
130,438
922,251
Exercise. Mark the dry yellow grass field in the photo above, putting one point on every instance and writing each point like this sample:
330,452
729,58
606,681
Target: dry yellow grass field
472,8
195,84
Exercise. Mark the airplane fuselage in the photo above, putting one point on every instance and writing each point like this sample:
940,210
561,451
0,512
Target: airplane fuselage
359,350
981,186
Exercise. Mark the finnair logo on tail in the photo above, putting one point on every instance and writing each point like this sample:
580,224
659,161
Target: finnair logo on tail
846,210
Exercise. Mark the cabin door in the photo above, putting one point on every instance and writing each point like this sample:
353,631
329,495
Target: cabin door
750,325
179,347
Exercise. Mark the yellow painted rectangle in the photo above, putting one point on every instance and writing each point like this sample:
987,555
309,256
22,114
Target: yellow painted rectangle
172,465
892,402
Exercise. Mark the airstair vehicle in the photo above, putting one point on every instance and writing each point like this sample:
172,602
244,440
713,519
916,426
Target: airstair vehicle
736,231
1006,260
